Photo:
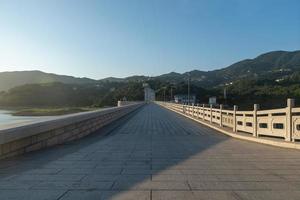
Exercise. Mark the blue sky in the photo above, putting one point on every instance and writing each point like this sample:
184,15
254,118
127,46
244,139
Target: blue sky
96,39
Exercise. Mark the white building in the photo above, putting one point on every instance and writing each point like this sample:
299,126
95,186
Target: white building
149,94
183,98
212,100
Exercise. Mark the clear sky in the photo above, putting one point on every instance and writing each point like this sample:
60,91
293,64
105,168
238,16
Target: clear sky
101,38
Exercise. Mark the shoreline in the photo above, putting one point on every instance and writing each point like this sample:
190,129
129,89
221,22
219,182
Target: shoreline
37,112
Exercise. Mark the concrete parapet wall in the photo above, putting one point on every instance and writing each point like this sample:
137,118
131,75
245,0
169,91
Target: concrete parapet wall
258,125
126,103
31,137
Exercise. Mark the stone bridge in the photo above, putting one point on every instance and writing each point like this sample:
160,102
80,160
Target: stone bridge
150,153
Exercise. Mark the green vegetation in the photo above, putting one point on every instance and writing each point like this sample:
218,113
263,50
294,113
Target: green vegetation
269,93
67,95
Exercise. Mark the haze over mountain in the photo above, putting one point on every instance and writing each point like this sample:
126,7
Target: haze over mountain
10,80
277,65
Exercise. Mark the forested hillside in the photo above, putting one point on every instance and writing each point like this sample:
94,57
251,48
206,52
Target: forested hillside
267,79
70,95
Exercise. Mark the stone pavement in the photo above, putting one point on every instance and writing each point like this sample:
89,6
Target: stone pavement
154,154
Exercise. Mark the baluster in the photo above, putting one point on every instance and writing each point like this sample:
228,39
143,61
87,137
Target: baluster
234,117
289,118
221,118
255,123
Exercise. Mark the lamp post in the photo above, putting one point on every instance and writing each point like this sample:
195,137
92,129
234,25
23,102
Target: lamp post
171,94
189,88
225,95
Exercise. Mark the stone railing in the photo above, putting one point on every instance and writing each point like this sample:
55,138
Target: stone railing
281,123
30,137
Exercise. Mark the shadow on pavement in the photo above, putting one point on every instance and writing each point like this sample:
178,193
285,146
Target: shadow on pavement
141,156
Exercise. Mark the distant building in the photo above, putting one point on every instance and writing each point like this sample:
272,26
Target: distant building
212,100
183,98
149,94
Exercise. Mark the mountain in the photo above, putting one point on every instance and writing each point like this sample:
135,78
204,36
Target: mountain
268,79
10,80
272,65
277,65
127,79
113,79
266,64
70,95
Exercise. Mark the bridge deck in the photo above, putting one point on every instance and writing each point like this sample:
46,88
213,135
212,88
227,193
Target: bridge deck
155,154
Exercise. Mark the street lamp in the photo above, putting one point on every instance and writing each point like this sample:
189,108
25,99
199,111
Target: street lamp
171,92
189,75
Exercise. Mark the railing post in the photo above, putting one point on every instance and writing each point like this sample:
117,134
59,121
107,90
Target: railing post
221,119
289,119
186,109
197,111
203,112
193,110
234,117
255,124
183,108
210,113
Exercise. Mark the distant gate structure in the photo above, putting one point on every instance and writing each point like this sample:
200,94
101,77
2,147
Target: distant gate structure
149,94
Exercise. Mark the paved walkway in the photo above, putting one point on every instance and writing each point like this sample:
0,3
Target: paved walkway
155,154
